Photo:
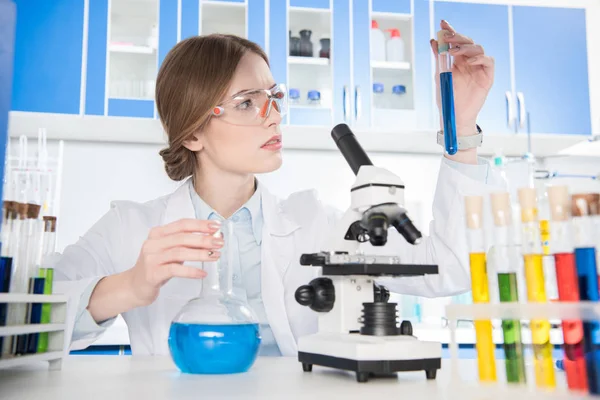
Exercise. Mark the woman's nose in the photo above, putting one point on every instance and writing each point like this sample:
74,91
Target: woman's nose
273,116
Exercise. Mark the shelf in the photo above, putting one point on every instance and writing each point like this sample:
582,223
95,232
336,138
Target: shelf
217,3
309,9
31,328
32,298
405,66
130,49
308,61
307,107
393,16
131,98
29,359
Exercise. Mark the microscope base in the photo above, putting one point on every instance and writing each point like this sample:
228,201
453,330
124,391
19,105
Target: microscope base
370,355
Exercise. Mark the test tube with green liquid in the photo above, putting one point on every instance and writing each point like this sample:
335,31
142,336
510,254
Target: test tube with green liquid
48,247
506,262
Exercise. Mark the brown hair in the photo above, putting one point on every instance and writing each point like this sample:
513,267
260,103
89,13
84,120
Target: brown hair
193,78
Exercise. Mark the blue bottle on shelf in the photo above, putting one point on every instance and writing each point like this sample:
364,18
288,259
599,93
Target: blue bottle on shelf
378,97
314,97
294,95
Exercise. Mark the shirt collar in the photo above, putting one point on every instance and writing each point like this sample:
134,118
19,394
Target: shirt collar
251,210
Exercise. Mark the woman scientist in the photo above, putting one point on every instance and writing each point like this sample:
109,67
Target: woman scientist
211,96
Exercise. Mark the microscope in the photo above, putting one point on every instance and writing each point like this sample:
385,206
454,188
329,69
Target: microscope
357,326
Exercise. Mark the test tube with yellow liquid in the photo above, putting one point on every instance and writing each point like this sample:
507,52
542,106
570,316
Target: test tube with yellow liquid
486,362
536,290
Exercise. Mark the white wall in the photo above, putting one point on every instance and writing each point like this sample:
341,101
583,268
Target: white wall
97,173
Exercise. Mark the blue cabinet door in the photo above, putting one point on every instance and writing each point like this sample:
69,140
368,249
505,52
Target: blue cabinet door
95,86
48,56
361,91
342,77
551,69
8,17
424,71
488,25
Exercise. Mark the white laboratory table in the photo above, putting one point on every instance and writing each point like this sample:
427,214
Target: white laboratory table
147,377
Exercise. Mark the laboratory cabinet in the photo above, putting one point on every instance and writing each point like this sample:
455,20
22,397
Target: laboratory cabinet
140,34
322,50
48,56
535,89
101,57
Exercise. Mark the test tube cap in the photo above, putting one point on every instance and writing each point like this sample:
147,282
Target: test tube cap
585,204
443,46
33,210
49,223
22,210
501,208
528,203
474,211
560,202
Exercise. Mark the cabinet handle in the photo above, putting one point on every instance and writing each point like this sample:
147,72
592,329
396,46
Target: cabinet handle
510,109
357,104
346,100
522,109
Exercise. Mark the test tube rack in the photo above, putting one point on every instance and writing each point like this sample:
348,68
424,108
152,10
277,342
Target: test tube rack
57,346
469,388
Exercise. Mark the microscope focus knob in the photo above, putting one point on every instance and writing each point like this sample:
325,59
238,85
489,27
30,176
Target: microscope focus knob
319,295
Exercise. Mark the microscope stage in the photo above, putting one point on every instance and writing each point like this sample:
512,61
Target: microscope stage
369,354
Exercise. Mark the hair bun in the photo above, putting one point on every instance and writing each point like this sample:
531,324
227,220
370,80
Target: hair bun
179,162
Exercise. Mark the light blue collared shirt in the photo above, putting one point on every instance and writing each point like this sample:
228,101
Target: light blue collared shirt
247,225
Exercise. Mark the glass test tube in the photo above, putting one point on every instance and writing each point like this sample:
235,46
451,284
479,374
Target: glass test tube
17,312
568,285
583,207
5,267
445,61
506,263
536,290
30,245
48,244
484,343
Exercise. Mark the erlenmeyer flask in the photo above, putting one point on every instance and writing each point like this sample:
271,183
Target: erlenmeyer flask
217,332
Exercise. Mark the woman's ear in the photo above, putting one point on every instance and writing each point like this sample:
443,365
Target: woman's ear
194,143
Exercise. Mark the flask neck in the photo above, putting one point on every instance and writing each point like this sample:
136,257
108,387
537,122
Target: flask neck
219,273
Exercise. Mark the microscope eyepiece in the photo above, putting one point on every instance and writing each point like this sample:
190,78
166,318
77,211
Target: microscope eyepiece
377,226
349,147
407,229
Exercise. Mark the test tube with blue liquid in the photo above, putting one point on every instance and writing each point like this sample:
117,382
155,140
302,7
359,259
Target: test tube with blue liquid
445,62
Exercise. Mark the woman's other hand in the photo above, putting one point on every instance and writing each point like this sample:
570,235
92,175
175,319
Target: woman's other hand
473,76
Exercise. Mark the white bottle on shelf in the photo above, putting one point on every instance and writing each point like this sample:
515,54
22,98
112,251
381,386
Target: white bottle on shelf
395,46
377,42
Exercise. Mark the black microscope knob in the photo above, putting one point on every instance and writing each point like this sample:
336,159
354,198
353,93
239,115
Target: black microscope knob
312,259
305,295
406,328
319,295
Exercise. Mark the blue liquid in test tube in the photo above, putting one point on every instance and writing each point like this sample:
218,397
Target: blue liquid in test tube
583,207
447,95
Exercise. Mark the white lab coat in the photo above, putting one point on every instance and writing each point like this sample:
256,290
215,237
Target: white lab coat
292,226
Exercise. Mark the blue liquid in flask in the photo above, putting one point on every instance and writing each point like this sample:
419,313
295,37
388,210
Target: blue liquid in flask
214,349
447,95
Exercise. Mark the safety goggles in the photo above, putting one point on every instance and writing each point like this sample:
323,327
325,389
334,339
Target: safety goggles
252,107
